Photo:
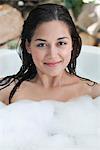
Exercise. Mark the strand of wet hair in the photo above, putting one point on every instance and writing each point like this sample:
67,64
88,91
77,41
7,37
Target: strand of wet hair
27,75
86,79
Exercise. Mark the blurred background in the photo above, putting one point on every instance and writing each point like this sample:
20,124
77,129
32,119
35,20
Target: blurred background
85,14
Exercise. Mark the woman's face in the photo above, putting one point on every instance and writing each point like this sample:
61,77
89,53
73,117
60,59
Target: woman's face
51,47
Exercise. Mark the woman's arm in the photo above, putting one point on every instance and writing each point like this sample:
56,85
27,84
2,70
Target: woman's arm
5,92
4,95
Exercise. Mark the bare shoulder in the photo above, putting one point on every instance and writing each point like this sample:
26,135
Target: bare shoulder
5,92
95,90
92,86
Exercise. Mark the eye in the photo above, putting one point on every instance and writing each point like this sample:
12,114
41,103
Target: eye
61,43
41,45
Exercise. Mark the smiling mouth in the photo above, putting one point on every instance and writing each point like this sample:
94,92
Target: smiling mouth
52,64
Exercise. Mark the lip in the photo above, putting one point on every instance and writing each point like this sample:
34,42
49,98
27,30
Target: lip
52,64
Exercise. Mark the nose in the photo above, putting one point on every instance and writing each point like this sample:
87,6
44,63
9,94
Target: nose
52,51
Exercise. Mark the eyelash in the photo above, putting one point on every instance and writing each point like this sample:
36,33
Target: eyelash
41,45
61,43
44,44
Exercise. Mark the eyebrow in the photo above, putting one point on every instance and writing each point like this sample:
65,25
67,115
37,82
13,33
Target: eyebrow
45,40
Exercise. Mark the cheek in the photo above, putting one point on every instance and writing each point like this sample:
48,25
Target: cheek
67,53
37,56
67,56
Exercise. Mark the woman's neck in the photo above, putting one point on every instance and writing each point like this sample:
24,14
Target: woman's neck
50,82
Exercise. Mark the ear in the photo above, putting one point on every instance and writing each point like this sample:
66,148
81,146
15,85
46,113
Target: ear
27,45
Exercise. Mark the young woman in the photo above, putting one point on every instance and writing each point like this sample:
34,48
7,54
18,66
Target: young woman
50,46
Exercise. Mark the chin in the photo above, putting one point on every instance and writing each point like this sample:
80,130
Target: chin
54,74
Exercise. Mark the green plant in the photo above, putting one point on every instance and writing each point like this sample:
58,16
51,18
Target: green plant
75,5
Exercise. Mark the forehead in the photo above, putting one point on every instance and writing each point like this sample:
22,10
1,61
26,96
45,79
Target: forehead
52,28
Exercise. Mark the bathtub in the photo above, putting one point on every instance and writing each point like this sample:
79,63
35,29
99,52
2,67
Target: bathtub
88,63
9,62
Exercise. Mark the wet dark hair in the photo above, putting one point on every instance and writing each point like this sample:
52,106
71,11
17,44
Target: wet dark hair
40,14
